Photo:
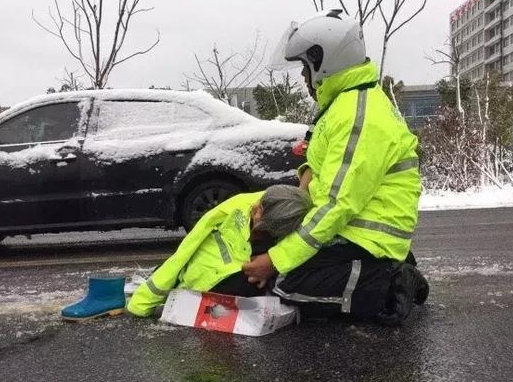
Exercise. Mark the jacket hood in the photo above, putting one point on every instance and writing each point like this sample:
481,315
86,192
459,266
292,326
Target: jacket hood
346,79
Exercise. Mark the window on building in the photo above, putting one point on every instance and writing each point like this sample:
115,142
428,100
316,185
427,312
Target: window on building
497,12
496,65
495,48
426,107
495,31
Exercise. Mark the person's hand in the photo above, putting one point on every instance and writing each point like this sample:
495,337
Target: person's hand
306,177
259,270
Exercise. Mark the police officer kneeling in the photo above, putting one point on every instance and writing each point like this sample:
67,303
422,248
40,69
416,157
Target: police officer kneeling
351,253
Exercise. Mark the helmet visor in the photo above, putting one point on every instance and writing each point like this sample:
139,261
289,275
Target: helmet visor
278,61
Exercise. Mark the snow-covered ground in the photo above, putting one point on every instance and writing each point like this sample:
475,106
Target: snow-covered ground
491,197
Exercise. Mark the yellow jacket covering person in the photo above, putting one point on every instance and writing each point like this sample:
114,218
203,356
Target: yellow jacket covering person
214,249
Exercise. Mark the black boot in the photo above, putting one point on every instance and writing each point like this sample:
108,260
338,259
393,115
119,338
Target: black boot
408,286
422,291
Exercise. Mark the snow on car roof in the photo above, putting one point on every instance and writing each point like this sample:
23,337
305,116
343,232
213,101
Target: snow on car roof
198,98
219,147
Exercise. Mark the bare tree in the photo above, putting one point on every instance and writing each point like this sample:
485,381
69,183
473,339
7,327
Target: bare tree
393,24
453,59
476,150
283,99
224,75
83,33
70,82
393,90
319,5
365,9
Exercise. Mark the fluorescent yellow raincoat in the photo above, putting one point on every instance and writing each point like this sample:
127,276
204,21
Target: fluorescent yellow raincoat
214,249
366,184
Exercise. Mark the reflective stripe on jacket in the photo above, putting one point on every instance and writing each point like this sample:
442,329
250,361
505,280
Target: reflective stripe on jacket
365,185
214,249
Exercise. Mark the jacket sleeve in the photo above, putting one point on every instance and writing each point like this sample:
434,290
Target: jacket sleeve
353,169
155,290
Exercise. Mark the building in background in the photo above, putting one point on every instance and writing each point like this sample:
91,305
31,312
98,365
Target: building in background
241,98
418,104
482,31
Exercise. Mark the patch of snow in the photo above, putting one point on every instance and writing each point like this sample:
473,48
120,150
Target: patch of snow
489,197
46,302
462,270
96,236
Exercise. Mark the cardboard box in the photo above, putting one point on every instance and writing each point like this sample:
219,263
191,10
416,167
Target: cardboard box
251,316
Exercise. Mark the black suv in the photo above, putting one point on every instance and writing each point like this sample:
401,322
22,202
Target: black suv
109,159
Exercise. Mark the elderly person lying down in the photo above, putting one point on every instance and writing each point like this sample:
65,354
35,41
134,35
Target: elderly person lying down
210,257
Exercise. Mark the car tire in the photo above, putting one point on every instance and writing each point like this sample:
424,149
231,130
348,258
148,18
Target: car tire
203,197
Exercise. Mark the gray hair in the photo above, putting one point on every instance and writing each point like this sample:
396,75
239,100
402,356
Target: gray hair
284,208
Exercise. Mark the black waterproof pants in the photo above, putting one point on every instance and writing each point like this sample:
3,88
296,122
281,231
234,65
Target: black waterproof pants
346,279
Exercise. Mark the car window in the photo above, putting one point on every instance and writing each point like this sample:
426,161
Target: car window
46,123
143,117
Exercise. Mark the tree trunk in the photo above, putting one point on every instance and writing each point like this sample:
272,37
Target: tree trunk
383,55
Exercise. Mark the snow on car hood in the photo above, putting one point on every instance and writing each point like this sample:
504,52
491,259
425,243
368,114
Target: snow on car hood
244,148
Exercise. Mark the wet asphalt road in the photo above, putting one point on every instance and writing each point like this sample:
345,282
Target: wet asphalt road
463,333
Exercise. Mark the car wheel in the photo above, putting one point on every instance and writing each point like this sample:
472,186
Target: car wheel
203,197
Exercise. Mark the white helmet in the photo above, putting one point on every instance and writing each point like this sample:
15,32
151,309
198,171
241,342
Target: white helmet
327,43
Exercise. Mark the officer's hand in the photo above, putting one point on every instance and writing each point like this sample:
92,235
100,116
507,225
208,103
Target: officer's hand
306,178
259,269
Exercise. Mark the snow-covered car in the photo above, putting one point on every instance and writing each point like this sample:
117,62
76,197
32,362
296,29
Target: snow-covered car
108,159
